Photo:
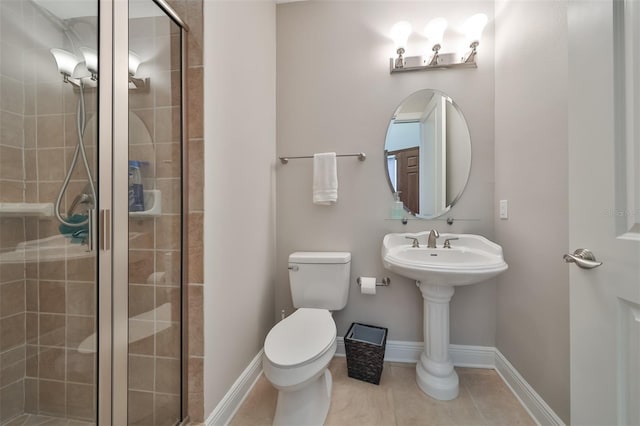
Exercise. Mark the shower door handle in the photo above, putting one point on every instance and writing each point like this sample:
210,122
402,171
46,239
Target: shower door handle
105,229
91,230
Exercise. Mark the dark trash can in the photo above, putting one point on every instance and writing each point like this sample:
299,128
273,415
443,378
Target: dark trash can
365,345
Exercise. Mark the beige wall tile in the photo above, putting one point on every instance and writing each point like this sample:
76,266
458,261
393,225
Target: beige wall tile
81,368
167,410
196,320
168,376
170,295
11,129
83,269
78,329
81,298
11,400
11,271
195,103
11,192
52,297
52,329
51,363
141,299
196,175
169,231
12,298
168,342
81,401
141,265
12,331
50,131
51,397
11,164
140,408
141,373
49,98
12,365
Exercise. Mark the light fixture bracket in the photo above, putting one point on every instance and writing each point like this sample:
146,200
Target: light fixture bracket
437,61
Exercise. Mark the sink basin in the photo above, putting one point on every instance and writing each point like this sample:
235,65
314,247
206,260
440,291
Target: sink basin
471,259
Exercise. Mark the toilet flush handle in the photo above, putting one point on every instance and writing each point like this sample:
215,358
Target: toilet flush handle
293,268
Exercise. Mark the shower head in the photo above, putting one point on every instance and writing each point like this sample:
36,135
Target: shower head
70,66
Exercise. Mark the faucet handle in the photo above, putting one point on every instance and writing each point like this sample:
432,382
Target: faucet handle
447,242
415,242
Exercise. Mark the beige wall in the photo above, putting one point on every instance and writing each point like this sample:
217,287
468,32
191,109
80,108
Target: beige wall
335,93
239,196
531,172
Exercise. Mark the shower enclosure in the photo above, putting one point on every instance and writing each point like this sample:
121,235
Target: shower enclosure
91,213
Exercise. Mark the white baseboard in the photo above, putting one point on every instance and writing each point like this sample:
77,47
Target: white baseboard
409,352
461,355
229,405
531,401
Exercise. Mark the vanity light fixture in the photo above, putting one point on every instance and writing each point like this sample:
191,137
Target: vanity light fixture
400,33
71,67
91,60
473,29
135,82
434,31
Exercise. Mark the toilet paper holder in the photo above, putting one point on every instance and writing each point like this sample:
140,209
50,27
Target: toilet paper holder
385,282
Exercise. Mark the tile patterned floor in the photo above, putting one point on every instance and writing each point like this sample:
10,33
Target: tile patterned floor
36,420
484,400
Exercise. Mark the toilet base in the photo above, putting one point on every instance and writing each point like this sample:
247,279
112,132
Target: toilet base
306,406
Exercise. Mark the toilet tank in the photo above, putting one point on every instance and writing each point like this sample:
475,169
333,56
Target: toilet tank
319,279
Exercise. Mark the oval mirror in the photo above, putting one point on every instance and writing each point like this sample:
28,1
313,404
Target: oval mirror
428,153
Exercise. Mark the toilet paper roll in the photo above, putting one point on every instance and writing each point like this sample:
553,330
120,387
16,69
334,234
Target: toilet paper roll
368,285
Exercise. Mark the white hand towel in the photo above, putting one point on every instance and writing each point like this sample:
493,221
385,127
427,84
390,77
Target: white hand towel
325,179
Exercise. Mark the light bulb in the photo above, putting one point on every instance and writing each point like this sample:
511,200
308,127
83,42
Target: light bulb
434,31
66,61
474,26
134,63
90,59
400,33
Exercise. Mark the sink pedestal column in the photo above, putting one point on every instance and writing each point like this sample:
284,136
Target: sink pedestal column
435,374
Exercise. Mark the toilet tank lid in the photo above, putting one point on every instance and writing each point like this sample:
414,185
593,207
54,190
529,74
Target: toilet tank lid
320,257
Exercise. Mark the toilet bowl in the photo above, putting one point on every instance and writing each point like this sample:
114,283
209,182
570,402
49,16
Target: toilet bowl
297,352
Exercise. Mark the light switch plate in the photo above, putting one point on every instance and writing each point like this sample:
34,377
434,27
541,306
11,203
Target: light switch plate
504,209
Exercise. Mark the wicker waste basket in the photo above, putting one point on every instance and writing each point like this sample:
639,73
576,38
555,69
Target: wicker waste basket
365,346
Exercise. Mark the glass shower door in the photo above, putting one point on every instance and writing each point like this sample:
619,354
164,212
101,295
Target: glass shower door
48,193
155,216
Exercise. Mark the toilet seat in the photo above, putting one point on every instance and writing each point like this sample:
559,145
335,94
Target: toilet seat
301,338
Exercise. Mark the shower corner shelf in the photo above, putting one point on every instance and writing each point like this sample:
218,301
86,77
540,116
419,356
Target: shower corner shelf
26,209
152,200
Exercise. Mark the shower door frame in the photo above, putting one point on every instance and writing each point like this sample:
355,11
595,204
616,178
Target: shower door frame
113,235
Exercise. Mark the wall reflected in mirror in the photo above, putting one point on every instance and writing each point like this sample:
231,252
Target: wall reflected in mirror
428,153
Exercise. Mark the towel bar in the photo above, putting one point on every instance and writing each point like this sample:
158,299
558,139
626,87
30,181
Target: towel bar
361,156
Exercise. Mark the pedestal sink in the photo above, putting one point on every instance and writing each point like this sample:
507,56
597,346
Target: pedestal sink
471,259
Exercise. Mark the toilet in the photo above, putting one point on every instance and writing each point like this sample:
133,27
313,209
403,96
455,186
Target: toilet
298,349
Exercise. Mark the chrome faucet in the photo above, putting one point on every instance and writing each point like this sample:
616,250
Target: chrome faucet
431,241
